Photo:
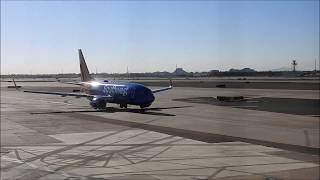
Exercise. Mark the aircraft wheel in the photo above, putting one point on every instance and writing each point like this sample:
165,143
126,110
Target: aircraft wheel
123,105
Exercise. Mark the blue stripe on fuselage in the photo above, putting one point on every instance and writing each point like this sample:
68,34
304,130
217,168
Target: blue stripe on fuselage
123,93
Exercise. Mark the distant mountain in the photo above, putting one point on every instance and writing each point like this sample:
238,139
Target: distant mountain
282,69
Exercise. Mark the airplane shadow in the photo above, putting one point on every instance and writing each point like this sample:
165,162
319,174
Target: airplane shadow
147,111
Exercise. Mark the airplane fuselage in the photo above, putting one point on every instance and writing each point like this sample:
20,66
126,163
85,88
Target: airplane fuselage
119,93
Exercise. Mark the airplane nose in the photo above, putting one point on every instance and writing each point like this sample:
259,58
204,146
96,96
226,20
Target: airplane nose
151,97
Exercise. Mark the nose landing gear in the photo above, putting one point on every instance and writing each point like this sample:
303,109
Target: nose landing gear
142,106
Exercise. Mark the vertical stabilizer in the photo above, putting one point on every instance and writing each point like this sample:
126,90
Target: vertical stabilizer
84,71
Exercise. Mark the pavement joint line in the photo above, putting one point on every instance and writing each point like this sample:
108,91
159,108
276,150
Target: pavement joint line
39,100
195,135
116,151
42,156
299,162
216,173
49,171
65,148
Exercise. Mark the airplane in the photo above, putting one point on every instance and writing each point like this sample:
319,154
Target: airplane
101,93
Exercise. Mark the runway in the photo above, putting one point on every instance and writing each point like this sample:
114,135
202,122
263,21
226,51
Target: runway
183,135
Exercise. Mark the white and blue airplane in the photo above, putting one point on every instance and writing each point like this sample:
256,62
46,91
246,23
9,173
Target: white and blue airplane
101,93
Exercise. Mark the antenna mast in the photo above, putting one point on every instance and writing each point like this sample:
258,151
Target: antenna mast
128,72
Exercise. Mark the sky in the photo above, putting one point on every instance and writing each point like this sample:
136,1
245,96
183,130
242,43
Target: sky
42,37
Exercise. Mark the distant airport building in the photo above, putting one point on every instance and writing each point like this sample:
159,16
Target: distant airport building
161,74
213,72
180,72
245,70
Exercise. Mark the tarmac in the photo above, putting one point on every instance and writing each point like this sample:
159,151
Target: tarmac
185,134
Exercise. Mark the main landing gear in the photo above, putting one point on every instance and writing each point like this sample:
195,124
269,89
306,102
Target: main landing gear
124,106
142,106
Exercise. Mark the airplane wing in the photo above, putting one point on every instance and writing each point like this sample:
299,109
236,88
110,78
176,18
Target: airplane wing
62,94
77,95
163,89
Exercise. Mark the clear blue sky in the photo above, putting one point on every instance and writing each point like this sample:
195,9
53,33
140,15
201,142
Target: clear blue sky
43,37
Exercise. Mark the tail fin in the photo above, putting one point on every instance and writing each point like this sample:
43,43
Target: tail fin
84,72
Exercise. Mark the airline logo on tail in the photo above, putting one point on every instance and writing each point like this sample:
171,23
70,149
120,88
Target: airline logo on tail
84,71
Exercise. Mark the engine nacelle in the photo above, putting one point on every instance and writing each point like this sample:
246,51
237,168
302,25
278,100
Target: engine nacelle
98,103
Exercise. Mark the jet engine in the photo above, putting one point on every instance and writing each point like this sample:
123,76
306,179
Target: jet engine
98,103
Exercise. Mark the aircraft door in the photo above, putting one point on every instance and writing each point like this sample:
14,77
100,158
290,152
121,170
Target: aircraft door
132,92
